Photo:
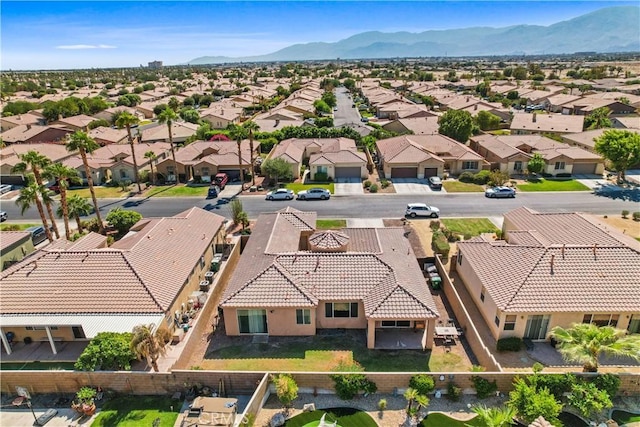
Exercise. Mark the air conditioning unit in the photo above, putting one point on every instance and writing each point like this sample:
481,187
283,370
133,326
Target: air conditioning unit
208,276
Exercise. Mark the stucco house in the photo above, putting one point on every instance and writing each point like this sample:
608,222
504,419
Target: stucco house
10,156
294,280
34,134
79,289
423,156
525,124
552,269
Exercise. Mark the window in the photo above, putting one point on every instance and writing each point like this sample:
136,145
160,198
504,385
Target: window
40,328
601,319
205,171
322,169
396,323
252,321
497,321
123,173
341,309
510,322
517,166
83,174
303,316
634,325
469,165
482,294
559,166
459,258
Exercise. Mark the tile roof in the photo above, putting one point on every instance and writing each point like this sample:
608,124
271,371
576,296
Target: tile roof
547,123
10,238
328,241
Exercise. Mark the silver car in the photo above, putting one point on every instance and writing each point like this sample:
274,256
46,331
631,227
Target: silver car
314,194
420,209
500,192
280,194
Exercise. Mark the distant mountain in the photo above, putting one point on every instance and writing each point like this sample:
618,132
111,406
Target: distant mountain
613,29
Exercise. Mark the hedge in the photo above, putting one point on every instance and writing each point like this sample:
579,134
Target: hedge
509,344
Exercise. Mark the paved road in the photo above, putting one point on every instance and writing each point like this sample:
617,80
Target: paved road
378,206
346,114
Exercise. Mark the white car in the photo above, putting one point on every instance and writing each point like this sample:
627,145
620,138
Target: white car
420,209
500,192
5,188
280,194
3,216
314,193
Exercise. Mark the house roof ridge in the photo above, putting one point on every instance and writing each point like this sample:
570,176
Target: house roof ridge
524,280
142,282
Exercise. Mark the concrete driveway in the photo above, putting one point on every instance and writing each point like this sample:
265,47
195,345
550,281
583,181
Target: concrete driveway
413,186
232,189
591,181
347,186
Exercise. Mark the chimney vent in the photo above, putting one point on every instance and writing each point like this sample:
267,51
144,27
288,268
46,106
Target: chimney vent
551,262
534,117
595,245
563,246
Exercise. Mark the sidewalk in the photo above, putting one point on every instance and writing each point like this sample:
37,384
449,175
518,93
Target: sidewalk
66,417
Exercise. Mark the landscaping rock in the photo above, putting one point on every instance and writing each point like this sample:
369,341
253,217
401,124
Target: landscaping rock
309,407
277,420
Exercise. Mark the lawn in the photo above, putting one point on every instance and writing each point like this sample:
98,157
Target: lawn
141,411
323,353
177,191
330,224
541,184
16,227
101,192
440,420
461,187
470,226
296,186
623,417
346,417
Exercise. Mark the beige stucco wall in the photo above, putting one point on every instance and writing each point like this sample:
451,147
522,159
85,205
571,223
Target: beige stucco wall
17,252
341,322
63,333
280,322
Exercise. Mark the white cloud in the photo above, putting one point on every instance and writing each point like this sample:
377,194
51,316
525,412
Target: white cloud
85,46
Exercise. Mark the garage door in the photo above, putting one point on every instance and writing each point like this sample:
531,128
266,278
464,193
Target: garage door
344,172
404,172
584,168
428,172
233,174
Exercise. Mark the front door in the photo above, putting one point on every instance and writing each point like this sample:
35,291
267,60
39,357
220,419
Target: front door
252,321
536,327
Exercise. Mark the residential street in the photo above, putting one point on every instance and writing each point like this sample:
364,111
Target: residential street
377,206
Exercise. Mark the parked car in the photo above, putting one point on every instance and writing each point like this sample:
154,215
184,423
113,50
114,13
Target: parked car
435,182
3,216
280,194
421,209
5,188
38,234
221,180
500,192
213,192
314,193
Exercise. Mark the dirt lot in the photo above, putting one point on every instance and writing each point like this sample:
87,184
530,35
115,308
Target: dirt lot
627,226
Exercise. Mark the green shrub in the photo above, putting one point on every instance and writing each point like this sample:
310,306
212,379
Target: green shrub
422,383
347,386
373,188
557,384
481,177
384,184
608,382
440,244
382,404
509,344
625,214
434,225
286,388
466,177
636,216
453,392
367,184
484,388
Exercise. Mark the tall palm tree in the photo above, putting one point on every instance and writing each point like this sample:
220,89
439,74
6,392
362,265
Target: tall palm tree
238,133
83,143
169,116
37,162
126,120
63,176
152,157
148,344
494,417
251,127
410,394
30,194
77,206
585,342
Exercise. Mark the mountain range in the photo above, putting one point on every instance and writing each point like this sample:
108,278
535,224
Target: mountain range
612,29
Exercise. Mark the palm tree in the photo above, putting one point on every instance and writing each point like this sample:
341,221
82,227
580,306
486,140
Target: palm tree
168,116
410,394
251,127
31,194
63,176
37,162
126,119
148,344
152,157
494,417
584,342
238,133
77,206
85,144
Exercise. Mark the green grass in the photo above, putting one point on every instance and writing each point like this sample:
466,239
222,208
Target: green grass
177,191
101,192
440,420
500,132
346,417
8,226
37,366
299,187
330,224
461,187
322,353
469,226
141,411
542,184
623,417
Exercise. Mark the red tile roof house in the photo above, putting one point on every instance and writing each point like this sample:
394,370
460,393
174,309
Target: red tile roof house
292,280
554,269
423,156
9,157
33,134
511,153
72,291
118,160
525,124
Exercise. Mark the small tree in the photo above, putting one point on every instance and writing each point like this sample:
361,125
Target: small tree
122,220
487,120
108,351
621,148
277,169
286,388
536,164
588,399
237,212
497,177
456,124
531,402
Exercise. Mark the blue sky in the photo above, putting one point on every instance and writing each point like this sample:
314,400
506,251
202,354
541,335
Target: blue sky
86,34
